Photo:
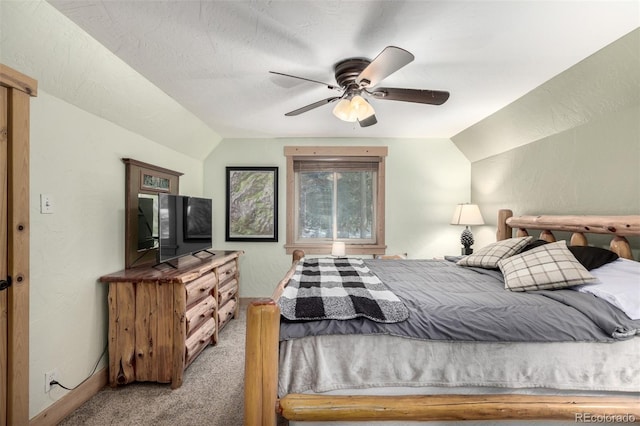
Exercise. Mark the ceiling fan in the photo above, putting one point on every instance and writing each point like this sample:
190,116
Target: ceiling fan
356,77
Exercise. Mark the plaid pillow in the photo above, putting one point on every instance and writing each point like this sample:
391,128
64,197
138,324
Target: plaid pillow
548,267
489,256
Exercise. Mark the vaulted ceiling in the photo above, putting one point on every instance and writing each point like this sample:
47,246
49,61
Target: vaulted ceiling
188,73
214,57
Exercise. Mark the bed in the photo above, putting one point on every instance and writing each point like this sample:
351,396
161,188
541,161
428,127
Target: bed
571,395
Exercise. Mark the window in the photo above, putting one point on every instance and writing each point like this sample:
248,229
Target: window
335,193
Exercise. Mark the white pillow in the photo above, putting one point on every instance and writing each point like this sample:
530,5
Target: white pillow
548,267
489,256
618,283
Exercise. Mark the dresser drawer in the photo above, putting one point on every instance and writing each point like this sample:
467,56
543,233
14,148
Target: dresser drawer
200,338
226,292
200,313
226,271
226,312
200,288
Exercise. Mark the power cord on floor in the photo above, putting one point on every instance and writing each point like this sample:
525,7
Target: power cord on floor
55,382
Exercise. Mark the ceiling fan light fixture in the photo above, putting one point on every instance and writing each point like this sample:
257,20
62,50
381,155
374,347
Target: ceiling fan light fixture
362,108
344,111
353,109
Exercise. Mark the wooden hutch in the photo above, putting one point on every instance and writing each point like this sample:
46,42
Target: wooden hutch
161,316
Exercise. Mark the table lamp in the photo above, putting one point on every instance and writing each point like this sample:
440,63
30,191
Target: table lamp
467,214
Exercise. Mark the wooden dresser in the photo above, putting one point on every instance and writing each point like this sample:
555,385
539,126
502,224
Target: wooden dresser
161,318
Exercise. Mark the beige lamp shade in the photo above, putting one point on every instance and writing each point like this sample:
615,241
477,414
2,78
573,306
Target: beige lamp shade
467,214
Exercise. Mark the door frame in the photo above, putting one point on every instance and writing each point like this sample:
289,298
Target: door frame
20,88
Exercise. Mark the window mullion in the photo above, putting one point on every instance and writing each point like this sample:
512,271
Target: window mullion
335,206
363,203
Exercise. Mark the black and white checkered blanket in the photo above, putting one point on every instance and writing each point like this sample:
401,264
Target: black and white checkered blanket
342,288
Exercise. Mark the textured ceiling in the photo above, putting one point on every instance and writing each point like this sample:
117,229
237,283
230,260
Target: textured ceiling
213,57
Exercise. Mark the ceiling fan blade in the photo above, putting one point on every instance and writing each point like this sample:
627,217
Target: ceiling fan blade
390,60
369,121
312,106
432,97
329,86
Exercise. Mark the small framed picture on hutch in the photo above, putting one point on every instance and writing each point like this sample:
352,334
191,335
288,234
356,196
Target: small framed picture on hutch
152,182
252,204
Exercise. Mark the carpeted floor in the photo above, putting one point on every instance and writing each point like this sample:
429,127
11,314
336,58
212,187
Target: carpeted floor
211,393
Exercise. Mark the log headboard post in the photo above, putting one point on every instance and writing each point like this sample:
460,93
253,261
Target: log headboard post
504,231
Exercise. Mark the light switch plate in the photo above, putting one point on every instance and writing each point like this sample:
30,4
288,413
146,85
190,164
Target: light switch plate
46,204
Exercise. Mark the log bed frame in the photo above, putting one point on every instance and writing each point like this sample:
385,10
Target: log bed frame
262,406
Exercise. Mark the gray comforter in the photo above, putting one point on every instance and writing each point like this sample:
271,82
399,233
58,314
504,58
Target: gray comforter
450,302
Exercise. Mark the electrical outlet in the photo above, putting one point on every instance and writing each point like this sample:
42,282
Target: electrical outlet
49,377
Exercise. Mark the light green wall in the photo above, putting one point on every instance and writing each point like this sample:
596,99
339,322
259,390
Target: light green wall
603,83
575,144
425,179
76,158
590,169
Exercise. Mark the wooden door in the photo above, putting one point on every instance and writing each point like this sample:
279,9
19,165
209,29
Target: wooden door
15,92
3,257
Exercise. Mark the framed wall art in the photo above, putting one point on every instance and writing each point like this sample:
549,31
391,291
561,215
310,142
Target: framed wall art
252,204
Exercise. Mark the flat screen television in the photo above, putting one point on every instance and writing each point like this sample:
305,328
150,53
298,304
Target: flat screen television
184,226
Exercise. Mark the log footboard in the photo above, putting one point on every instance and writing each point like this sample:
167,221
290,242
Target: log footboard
454,407
261,405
